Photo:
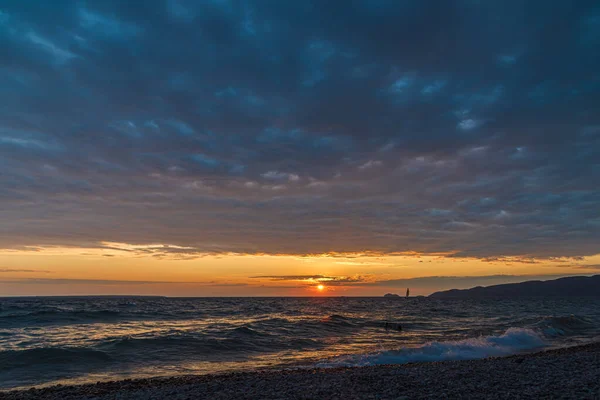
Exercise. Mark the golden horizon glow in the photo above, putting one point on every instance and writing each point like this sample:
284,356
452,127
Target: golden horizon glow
123,270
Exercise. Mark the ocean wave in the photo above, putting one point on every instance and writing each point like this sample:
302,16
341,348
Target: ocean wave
10,359
564,325
58,315
246,331
68,317
512,341
339,320
239,342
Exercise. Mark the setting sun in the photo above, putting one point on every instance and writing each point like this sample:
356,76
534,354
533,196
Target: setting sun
321,288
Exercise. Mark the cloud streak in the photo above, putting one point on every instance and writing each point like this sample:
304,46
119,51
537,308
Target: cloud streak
26,271
112,282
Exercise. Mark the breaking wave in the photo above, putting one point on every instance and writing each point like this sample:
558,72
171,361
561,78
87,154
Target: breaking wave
514,340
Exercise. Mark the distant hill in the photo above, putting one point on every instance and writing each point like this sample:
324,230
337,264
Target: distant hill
574,286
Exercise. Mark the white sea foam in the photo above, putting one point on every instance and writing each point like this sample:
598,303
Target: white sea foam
514,340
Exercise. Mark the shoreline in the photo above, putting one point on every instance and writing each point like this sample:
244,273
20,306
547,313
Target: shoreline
566,373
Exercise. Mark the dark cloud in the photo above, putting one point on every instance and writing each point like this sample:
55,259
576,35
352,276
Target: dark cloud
302,127
589,266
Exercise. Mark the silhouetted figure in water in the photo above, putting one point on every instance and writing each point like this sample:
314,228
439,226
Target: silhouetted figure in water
396,327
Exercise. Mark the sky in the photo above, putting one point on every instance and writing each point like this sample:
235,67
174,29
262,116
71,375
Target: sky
262,147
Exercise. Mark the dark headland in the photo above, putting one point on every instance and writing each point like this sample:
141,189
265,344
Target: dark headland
574,286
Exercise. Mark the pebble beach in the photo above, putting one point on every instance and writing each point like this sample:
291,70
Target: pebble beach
567,373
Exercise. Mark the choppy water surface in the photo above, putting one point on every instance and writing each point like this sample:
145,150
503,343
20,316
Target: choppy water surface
65,340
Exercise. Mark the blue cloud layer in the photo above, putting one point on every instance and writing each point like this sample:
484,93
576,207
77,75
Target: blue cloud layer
302,127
